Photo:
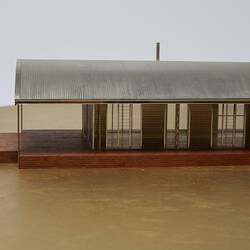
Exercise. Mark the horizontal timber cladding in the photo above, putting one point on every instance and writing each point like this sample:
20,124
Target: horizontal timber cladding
200,126
153,126
247,136
100,126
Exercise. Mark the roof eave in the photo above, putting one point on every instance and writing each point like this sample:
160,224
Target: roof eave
140,101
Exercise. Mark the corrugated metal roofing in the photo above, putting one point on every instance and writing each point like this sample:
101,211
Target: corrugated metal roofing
135,81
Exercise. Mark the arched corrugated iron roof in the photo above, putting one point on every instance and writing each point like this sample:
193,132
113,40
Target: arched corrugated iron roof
131,81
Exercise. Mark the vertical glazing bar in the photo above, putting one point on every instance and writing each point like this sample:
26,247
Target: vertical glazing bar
130,125
118,124
122,116
112,123
99,127
212,127
89,122
244,125
226,117
222,125
188,126
93,127
122,122
177,124
141,116
82,121
234,126
226,132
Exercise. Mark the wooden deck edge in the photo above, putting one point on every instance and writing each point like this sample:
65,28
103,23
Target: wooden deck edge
135,159
8,157
8,148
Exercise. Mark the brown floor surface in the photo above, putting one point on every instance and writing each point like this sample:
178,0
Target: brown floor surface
160,208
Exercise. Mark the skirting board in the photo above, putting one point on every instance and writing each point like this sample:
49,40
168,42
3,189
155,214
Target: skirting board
139,159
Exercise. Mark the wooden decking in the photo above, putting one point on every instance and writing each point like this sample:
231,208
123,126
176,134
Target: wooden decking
69,149
8,147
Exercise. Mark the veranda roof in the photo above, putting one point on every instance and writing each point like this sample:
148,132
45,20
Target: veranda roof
53,81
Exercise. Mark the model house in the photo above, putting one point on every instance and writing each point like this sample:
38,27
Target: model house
134,109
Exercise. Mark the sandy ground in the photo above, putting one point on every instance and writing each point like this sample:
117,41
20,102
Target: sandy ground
153,208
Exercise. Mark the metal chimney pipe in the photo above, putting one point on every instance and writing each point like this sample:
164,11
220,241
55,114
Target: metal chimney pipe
157,51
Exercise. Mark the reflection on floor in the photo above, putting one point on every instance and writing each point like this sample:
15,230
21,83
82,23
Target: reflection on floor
110,209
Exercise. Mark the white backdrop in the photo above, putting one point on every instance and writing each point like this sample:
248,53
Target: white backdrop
211,30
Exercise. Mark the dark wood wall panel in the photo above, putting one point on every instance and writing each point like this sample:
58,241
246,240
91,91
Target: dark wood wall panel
100,126
85,119
215,124
153,126
200,126
90,123
247,112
